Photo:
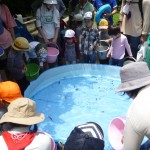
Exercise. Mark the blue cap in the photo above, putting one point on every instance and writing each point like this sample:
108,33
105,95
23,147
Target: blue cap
1,26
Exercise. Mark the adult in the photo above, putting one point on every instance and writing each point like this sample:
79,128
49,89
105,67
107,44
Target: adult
48,21
7,24
88,136
98,3
135,82
61,7
8,20
23,132
135,22
83,7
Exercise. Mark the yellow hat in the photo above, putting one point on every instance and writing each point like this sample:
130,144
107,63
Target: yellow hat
103,24
21,43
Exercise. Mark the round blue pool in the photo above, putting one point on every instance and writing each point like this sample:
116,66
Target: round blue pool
74,94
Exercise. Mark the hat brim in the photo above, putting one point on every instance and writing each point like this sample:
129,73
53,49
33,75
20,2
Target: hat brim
134,84
9,100
19,49
103,27
37,118
52,3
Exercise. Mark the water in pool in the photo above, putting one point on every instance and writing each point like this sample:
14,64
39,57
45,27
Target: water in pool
75,100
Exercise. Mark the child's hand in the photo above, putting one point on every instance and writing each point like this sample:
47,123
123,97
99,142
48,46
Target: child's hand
90,48
46,40
81,53
24,70
108,55
77,60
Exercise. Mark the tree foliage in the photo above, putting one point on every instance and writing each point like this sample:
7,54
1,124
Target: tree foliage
24,6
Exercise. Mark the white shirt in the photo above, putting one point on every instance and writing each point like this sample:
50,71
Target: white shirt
48,20
42,141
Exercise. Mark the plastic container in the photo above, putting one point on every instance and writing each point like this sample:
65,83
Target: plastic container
115,132
32,71
102,49
52,53
1,52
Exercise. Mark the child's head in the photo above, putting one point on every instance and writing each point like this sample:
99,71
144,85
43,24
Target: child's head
115,31
21,44
103,25
88,19
69,35
78,19
41,50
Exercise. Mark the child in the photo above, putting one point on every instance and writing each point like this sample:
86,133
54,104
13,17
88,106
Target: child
103,35
71,50
41,51
118,46
103,30
88,39
16,63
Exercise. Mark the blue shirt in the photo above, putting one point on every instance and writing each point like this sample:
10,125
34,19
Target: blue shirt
98,3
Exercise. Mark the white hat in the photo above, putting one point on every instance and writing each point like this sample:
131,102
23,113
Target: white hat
133,76
88,15
50,1
69,33
78,17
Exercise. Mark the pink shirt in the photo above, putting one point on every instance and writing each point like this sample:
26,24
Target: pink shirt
7,17
5,37
118,47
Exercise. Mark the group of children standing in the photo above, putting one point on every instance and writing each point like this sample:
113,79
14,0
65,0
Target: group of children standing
88,36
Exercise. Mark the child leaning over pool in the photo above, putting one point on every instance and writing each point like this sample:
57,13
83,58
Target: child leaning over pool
118,46
41,51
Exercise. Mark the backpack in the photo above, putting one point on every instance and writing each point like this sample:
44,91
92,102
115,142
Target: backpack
140,7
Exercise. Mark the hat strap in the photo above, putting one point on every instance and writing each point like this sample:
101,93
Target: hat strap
19,47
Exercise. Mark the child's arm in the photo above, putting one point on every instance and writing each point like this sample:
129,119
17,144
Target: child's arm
127,46
109,52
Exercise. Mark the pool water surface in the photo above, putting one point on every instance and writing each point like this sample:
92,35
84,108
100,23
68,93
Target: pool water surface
68,100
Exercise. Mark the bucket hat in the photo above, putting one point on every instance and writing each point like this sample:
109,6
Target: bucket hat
69,33
103,24
87,136
21,43
50,1
78,17
133,76
22,111
88,15
9,91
